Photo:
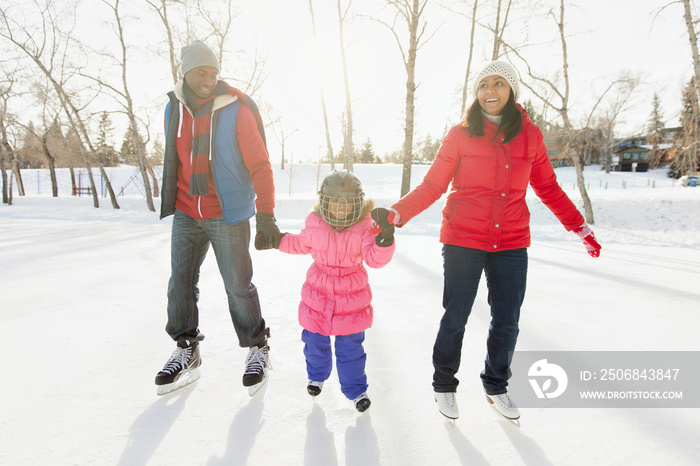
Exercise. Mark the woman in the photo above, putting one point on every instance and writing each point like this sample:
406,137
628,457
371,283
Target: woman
489,160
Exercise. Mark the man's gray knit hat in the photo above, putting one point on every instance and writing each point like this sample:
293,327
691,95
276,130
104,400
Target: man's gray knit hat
198,54
502,69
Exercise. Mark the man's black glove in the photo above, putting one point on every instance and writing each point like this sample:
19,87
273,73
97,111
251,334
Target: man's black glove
267,234
380,216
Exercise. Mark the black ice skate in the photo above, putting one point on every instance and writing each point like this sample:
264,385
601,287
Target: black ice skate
257,368
181,369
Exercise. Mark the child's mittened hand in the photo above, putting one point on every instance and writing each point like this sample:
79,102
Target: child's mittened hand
383,225
385,238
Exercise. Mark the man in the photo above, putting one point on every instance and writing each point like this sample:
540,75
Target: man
216,175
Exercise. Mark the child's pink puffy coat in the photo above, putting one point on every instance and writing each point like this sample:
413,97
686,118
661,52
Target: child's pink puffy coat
336,297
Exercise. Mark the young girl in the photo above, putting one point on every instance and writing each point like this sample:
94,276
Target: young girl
488,162
336,297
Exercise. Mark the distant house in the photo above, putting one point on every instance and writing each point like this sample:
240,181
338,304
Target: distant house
637,153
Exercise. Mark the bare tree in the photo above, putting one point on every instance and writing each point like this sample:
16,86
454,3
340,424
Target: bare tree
257,75
410,12
347,133
561,107
692,37
329,145
161,7
499,27
497,30
51,131
124,98
6,150
10,151
687,143
218,22
43,141
465,88
42,45
624,86
281,137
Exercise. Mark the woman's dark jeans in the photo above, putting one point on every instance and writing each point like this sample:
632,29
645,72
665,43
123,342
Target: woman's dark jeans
506,277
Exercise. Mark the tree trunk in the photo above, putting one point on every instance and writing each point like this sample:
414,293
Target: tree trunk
129,107
100,166
91,179
52,165
162,10
4,177
149,167
347,146
9,197
71,170
329,145
496,30
18,175
692,37
465,89
282,151
578,162
499,29
410,97
4,149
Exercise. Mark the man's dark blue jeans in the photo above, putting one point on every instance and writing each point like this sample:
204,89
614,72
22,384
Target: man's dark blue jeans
506,278
190,242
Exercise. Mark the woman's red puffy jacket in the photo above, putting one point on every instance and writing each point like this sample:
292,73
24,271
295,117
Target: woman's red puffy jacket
486,206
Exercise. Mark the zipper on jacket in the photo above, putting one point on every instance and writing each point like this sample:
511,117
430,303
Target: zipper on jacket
192,155
179,134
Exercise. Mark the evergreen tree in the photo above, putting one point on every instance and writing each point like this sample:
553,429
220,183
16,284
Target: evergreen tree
31,155
367,152
428,148
655,130
157,153
127,152
655,125
104,149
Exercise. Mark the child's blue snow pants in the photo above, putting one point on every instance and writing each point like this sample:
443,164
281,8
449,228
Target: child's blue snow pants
350,360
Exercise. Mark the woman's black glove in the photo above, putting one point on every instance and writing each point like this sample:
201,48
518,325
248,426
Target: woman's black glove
381,216
267,234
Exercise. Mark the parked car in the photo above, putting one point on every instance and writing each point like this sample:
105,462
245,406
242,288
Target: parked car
690,180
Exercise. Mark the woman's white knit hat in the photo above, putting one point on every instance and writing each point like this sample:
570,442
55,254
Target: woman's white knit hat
502,69
198,54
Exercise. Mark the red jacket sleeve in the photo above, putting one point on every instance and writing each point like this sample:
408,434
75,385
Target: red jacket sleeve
436,181
544,182
257,160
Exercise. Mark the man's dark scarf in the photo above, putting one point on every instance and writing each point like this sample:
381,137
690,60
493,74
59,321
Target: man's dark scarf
201,138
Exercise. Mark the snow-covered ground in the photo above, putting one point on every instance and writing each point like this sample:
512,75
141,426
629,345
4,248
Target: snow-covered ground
82,303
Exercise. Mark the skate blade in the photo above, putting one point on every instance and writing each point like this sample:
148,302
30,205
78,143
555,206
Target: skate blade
253,389
493,406
184,381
